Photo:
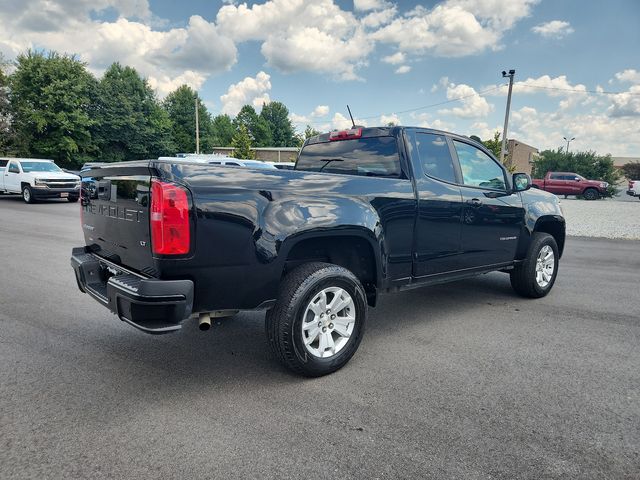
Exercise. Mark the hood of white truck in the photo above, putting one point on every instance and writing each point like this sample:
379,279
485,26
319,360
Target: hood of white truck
52,176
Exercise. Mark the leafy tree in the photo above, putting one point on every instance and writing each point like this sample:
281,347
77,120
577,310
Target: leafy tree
476,138
180,105
632,170
256,125
277,116
130,124
223,131
588,164
310,132
50,98
241,143
494,145
6,121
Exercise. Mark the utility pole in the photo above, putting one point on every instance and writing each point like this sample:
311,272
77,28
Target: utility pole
197,129
569,140
511,74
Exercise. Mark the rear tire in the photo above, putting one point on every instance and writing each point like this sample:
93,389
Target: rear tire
302,331
591,194
532,278
27,194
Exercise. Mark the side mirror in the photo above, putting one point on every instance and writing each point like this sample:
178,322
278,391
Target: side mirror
577,179
521,182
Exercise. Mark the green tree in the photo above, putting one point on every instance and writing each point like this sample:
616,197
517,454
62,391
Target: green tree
310,132
256,126
130,124
6,121
632,170
223,131
276,115
241,143
50,98
588,164
494,145
180,105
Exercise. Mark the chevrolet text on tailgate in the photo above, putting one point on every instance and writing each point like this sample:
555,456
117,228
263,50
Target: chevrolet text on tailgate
365,211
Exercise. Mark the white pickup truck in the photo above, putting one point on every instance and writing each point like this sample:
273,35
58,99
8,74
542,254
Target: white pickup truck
37,179
634,188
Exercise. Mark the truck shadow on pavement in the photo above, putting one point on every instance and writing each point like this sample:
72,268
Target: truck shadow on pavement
235,349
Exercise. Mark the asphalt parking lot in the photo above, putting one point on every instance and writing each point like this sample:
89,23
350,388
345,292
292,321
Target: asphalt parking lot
464,380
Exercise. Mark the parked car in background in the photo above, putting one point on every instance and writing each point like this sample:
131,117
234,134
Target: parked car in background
366,211
634,188
284,165
236,162
37,179
567,183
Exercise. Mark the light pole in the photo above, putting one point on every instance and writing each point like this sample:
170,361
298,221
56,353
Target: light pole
197,129
511,74
568,142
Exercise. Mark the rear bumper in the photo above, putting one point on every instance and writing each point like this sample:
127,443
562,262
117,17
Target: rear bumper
149,304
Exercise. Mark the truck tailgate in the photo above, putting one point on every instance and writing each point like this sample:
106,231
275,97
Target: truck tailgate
115,203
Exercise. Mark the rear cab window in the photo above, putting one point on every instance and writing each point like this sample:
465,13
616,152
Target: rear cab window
370,156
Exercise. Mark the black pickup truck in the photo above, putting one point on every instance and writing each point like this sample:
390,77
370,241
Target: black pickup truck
365,211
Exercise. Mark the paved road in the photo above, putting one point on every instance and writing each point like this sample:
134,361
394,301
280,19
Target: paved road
458,381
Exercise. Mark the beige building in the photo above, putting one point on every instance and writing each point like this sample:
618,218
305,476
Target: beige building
618,162
270,154
521,155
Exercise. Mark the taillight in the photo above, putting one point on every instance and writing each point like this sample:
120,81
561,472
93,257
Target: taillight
170,231
345,134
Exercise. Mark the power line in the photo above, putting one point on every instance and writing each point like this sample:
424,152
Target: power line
477,94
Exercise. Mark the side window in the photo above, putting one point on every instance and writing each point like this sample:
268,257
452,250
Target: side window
233,164
557,176
478,168
13,168
3,163
435,156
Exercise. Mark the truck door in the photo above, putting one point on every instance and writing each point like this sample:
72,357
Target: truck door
437,245
12,177
492,217
557,184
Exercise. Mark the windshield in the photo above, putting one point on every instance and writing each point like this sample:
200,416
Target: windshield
39,167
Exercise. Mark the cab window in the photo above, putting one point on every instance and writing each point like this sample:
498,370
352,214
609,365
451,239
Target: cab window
478,168
435,156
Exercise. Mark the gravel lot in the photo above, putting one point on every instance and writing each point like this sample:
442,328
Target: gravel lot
608,218
458,381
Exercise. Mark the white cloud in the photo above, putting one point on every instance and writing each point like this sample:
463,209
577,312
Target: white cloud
379,17
315,36
395,59
553,29
252,91
470,104
629,75
387,119
455,27
626,104
364,5
320,111
164,56
340,122
403,69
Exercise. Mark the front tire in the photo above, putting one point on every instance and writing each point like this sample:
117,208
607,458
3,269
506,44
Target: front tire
318,321
591,194
535,276
27,194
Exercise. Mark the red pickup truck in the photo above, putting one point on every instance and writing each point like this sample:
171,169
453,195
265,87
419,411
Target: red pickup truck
567,183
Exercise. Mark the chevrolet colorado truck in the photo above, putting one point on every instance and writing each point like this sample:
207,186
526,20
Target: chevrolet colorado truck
36,179
566,183
365,211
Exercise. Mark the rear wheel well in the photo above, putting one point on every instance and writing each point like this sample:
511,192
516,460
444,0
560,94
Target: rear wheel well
554,228
351,252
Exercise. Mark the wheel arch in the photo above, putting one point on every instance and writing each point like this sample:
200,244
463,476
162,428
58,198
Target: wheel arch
355,249
553,226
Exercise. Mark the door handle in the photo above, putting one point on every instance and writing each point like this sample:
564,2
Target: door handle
474,202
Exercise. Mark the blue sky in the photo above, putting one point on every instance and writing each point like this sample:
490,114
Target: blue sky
381,57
